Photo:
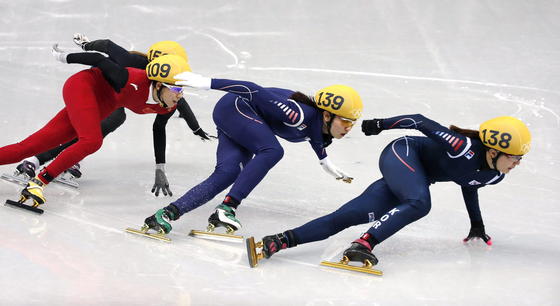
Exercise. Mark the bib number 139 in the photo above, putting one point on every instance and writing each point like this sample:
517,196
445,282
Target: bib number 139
493,137
330,100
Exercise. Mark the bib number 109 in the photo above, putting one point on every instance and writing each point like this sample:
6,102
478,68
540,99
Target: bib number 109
330,100
159,70
493,137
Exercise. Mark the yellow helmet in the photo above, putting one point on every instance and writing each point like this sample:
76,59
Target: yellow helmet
166,47
164,68
506,134
340,100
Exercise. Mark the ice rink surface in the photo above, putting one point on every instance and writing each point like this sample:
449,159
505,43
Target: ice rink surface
457,62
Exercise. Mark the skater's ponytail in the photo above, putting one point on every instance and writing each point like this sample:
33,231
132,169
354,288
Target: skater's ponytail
303,99
144,55
474,134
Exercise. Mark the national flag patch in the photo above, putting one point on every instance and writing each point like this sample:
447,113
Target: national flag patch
474,183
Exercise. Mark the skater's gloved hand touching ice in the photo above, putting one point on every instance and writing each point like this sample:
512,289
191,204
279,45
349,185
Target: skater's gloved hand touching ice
477,232
161,182
203,135
193,80
372,127
333,170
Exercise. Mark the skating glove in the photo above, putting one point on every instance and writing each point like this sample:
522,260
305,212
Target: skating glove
331,169
193,80
372,127
477,232
58,54
81,40
161,182
203,135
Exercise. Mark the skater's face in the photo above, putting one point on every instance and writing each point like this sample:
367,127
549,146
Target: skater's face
505,162
339,127
169,95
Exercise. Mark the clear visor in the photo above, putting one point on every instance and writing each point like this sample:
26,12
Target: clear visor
173,88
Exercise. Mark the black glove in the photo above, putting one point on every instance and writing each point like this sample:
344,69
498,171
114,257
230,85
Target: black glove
203,135
372,127
477,232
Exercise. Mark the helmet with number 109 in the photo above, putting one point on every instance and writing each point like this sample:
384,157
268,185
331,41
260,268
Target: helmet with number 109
164,68
340,100
166,47
506,134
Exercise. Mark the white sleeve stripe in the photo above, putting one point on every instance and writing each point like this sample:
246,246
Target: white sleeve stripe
494,178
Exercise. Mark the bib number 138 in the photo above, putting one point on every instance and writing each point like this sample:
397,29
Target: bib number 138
493,137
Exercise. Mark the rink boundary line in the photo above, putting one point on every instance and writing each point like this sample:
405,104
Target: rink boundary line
401,76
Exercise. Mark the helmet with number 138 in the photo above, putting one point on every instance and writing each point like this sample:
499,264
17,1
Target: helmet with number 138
507,140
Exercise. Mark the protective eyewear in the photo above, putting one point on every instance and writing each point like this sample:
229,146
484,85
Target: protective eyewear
347,122
515,157
173,88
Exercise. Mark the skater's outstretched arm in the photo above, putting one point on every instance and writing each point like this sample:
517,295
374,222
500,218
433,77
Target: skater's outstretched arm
114,73
186,113
470,195
280,108
455,144
117,53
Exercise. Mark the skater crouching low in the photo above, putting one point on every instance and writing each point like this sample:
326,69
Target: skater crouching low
249,118
471,159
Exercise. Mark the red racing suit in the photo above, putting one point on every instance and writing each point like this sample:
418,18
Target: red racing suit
89,99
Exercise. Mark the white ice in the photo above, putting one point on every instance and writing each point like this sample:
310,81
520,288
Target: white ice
457,62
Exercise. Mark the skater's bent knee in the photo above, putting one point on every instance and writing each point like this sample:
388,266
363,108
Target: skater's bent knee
273,154
91,145
421,207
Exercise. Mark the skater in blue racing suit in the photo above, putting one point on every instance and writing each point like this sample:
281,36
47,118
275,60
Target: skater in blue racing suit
410,164
249,118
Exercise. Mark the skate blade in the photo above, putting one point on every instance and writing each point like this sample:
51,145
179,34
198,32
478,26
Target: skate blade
15,204
346,266
156,236
216,236
14,179
252,254
68,182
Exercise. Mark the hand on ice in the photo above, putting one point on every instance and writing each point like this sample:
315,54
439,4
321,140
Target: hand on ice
477,232
193,80
333,170
161,182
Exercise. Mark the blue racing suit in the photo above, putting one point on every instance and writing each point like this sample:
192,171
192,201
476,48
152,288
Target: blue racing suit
409,165
248,119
